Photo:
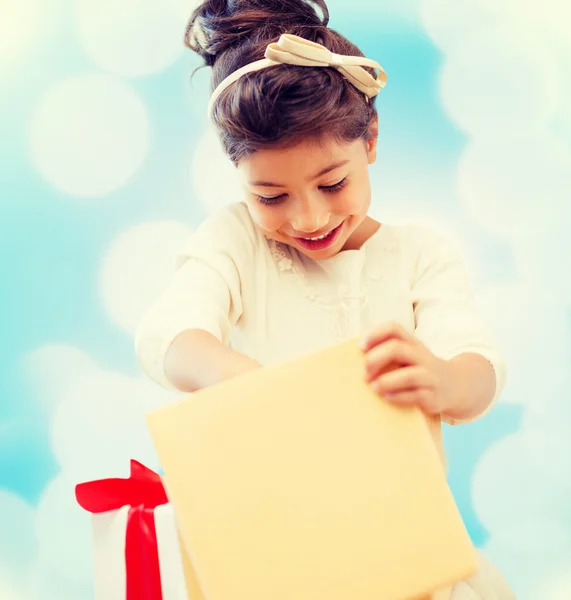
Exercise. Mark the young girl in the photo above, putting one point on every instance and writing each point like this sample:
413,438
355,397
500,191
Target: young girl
298,265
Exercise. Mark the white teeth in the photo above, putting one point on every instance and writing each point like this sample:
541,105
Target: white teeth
318,238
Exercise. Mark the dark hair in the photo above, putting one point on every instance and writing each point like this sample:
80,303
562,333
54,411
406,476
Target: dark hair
281,105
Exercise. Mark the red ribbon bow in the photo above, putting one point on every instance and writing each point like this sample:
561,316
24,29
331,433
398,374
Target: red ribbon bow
143,491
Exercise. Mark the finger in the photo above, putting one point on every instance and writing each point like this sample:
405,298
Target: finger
390,354
418,397
401,380
384,333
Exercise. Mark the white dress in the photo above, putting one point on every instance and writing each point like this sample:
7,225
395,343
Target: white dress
272,303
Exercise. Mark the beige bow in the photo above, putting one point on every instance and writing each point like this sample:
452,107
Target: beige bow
294,50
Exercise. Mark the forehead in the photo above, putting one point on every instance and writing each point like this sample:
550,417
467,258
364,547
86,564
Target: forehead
302,159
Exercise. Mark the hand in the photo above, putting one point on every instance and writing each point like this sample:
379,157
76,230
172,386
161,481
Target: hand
403,371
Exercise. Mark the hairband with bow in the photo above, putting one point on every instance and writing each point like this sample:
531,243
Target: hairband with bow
294,50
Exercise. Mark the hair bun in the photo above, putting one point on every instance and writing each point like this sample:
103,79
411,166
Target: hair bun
216,25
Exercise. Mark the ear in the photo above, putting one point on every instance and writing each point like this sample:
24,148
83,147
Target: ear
373,139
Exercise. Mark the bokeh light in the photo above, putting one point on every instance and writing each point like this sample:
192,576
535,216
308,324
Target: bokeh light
213,177
137,267
89,135
131,37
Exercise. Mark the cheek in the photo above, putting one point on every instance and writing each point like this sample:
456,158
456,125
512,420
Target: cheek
353,202
267,218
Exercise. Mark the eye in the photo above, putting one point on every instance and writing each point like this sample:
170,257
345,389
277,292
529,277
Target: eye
335,187
273,200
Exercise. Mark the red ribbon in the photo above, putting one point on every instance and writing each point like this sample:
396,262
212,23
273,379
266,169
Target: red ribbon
143,491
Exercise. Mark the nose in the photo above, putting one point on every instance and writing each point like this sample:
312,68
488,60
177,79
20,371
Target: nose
310,217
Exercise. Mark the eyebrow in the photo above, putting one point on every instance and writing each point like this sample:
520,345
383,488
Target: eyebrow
328,169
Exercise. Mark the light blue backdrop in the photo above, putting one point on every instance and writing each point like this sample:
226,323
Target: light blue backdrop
107,163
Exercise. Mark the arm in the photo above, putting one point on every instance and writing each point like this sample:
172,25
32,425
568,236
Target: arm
461,388
450,325
182,342
450,366
475,385
196,359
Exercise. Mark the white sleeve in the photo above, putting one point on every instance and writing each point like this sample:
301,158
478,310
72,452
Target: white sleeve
446,318
205,292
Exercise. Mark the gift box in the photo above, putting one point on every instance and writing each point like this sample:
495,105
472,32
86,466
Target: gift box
297,481
136,546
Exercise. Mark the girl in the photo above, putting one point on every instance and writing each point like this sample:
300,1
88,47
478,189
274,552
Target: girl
298,265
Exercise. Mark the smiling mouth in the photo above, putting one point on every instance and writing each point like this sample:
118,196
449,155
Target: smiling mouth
320,242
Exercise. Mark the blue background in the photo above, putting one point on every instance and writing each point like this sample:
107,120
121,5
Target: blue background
71,395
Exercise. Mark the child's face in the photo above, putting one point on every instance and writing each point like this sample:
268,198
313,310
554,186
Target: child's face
309,190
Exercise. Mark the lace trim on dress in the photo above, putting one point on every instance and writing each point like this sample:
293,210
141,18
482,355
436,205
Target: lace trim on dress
343,310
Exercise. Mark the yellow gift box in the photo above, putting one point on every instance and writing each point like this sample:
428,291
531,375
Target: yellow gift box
298,482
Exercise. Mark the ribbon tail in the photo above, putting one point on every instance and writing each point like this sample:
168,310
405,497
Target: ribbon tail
142,556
